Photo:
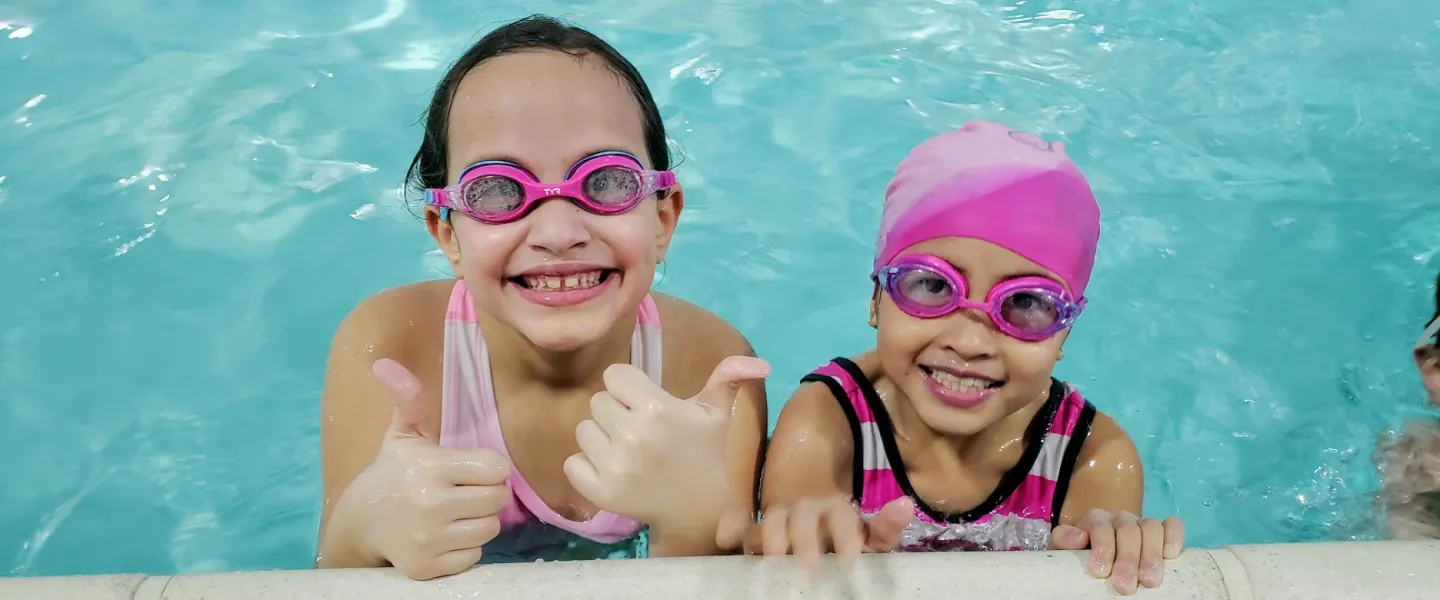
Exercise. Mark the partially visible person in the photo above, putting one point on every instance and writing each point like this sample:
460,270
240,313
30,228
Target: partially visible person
519,411
953,433
1410,461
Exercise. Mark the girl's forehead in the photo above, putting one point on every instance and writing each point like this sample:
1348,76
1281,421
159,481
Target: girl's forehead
543,110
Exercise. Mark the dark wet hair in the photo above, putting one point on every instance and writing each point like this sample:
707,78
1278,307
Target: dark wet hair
1437,298
535,32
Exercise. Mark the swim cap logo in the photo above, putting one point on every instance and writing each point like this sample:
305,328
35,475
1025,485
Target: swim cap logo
1031,141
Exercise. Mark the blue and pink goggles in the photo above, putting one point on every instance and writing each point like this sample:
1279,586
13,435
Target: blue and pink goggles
1026,308
498,191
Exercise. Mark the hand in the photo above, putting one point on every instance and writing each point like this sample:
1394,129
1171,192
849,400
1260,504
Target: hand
650,456
1123,547
816,526
424,508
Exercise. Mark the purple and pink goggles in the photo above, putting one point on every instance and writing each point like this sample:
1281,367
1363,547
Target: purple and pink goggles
1026,308
498,191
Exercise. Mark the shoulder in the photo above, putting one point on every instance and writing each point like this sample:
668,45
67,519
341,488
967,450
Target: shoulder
391,318
812,409
695,340
685,320
817,408
1107,473
1107,442
813,447
405,324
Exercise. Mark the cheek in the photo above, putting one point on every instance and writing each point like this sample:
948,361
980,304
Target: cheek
900,336
629,237
485,249
1026,360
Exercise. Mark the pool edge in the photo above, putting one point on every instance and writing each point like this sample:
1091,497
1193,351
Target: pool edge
1313,571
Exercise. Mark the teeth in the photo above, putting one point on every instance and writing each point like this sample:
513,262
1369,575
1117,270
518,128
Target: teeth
963,384
565,283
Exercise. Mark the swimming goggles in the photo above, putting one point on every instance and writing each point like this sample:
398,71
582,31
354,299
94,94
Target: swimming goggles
1026,308
498,191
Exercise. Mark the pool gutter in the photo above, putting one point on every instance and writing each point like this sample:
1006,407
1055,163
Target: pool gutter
1314,571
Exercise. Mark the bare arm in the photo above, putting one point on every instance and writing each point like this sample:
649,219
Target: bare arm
811,450
1108,474
744,442
355,412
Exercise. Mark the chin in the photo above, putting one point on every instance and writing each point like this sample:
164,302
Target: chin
564,329
561,333
950,421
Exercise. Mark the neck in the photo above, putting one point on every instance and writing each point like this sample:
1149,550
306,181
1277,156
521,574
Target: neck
514,358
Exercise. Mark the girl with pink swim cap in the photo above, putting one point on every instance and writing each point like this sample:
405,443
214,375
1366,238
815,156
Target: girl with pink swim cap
952,433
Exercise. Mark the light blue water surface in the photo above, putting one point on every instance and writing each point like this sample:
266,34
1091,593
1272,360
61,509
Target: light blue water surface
191,198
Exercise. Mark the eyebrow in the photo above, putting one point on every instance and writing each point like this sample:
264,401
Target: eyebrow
1019,274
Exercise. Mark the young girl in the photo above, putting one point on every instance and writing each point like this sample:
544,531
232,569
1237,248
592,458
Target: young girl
519,411
1410,462
952,434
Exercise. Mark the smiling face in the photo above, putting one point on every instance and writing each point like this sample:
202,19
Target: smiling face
561,276
960,372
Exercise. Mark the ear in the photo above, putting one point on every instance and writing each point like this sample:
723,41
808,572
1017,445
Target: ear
444,233
1427,362
874,306
668,212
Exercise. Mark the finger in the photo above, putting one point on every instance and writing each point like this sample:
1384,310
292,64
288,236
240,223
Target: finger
455,561
585,478
1124,575
738,531
775,531
471,467
609,413
1100,526
469,533
846,530
474,502
883,531
1174,537
1067,537
1152,552
632,387
726,379
595,444
410,412
805,534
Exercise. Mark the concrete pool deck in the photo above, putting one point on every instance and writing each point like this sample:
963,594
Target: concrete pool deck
1314,571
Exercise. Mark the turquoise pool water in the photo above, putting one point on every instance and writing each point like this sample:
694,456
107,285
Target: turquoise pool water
190,199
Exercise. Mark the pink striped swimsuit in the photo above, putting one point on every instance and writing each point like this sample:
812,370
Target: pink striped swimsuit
1021,511
530,529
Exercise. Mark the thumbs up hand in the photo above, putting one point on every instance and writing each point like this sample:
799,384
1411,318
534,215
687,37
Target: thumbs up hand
424,508
656,458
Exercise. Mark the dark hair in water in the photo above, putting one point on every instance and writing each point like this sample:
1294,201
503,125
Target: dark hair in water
1437,298
535,32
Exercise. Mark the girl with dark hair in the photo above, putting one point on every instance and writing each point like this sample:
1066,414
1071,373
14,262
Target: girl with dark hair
518,411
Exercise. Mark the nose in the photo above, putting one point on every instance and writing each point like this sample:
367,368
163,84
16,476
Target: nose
969,334
558,227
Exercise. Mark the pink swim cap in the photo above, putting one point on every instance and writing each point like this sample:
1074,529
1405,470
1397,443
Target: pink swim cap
1009,188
